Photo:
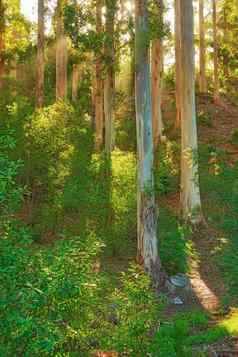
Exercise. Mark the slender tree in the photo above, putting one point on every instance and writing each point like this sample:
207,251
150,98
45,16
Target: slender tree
146,206
40,56
61,53
202,50
75,82
109,83
215,56
99,113
190,192
177,62
157,73
132,61
226,41
2,45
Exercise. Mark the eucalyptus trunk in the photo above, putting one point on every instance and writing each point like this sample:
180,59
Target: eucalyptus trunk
202,50
109,83
99,114
157,74
190,192
226,41
40,55
61,54
215,56
178,68
75,82
146,206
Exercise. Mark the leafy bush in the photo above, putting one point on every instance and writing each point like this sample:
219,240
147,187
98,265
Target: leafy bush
205,117
172,338
138,311
166,174
234,137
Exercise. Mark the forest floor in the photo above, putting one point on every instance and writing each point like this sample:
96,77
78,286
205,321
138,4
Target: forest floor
213,280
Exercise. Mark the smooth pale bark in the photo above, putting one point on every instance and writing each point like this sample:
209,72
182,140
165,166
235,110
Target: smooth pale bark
178,68
226,41
99,113
61,54
109,83
132,63
202,50
216,93
190,192
146,206
157,73
2,45
75,82
40,56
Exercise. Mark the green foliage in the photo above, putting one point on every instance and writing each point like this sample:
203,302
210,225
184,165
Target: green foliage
166,173
234,137
172,338
205,117
175,249
138,310
219,185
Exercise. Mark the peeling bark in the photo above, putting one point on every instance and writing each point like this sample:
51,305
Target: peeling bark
178,68
146,206
157,70
190,192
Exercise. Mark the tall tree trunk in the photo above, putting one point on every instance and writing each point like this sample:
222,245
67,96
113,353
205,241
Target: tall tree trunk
178,68
132,64
146,206
215,56
109,83
157,70
190,192
61,54
99,113
226,41
75,82
2,44
40,56
157,76
202,50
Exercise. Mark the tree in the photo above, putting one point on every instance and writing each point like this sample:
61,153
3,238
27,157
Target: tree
75,82
215,56
202,50
61,52
177,62
109,83
146,206
2,46
99,113
157,71
40,55
190,192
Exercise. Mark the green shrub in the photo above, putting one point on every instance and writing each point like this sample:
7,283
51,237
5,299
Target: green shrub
205,117
234,137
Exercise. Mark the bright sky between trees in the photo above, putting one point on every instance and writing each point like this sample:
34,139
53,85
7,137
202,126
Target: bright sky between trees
29,9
